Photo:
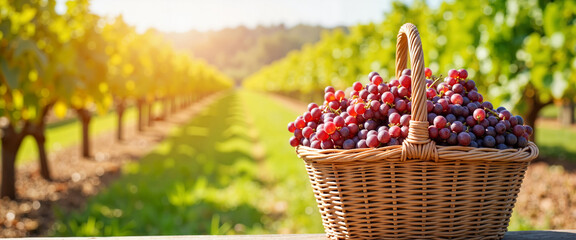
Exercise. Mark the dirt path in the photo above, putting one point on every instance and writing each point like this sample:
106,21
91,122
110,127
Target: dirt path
76,178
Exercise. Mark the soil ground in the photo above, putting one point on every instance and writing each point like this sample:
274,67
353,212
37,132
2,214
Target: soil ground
75,179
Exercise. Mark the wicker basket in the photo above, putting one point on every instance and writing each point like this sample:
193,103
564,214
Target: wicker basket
417,190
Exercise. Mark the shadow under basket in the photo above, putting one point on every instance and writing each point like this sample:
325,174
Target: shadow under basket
416,190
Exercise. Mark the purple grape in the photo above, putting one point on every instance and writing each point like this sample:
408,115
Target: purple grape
452,139
529,130
327,144
513,121
440,122
500,128
363,134
344,132
487,105
501,146
438,108
450,118
489,141
492,120
470,121
522,142
404,131
518,130
472,136
490,131
433,132
464,139
305,142
474,144
361,144
478,130
370,124
444,133
500,139
405,120
520,120
431,117
368,114
506,123
511,139
383,136
372,141
315,144
348,144
336,136
456,110
384,109
457,127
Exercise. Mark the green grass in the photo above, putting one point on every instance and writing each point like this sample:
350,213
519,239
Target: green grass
204,179
555,142
69,132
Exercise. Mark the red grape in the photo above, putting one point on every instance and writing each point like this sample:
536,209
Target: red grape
395,131
383,136
360,108
376,79
372,141
357,86
299,123
330,127
329,89
462,73
453,73
428,72
405,81
294,142
479,114
388,97
394,119
339,95
307,132
312,106
329,96
291,127
457,99
321,134
440,122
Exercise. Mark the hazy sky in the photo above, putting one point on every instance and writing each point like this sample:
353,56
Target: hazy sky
183,15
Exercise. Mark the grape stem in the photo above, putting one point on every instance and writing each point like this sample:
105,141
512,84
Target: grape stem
493,112
435,81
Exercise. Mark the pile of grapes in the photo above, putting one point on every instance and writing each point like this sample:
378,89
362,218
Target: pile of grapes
378,115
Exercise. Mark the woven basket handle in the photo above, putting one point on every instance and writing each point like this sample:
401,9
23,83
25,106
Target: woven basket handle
417,145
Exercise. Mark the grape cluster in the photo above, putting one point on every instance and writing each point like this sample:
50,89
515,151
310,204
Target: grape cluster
378,115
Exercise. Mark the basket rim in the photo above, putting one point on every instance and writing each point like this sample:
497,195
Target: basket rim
393,154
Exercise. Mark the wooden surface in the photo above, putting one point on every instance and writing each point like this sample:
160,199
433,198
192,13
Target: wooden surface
520,235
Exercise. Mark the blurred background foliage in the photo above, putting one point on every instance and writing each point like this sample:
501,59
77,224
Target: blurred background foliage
241,51
522,53
52,61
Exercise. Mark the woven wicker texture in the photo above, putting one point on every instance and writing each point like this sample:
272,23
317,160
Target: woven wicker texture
417,190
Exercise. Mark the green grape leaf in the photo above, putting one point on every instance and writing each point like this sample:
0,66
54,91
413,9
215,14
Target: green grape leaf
559,85
10,74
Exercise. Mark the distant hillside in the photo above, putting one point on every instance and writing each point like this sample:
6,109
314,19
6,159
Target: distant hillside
241,51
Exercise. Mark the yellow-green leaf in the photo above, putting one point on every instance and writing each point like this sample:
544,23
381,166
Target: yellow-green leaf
60,109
